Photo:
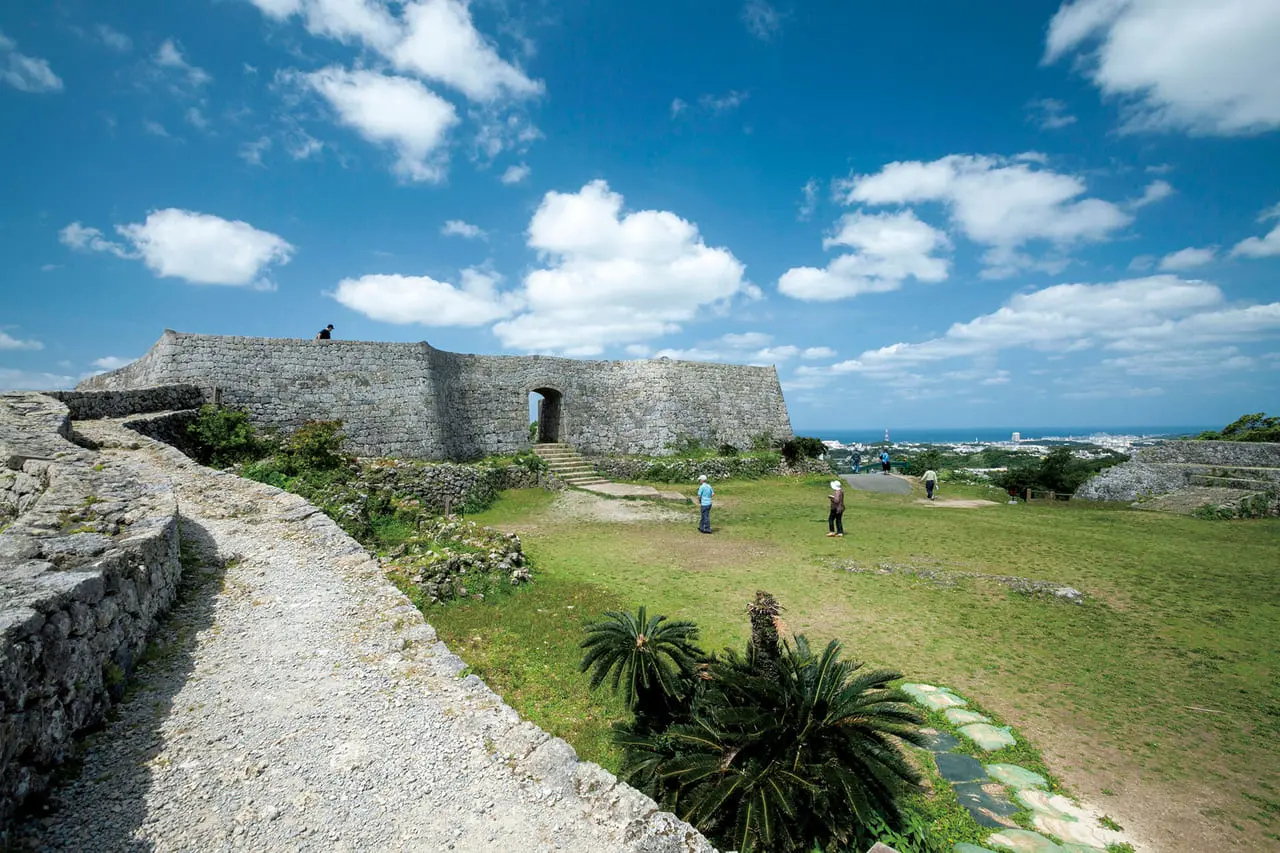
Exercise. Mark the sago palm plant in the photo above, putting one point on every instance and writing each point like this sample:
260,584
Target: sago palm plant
650,660
781,763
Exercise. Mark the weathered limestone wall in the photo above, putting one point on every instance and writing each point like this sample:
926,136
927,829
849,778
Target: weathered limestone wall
1237,454
437,486
414,401
87,564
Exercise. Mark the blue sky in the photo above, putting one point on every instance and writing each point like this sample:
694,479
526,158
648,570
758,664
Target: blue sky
927,214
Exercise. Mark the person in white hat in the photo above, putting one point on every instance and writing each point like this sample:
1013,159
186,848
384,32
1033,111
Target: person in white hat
704,501
835,519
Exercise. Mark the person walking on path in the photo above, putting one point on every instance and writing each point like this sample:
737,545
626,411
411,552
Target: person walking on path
930,482
857,462
325,334
884,462
835,519
705,493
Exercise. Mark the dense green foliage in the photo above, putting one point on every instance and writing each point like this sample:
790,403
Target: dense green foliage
929,460
801,447
1060,471
780,750
1255,427
222,436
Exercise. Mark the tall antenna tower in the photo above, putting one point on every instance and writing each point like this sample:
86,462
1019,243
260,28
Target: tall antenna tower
886,435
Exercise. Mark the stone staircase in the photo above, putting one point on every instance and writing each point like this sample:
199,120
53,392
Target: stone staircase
567,464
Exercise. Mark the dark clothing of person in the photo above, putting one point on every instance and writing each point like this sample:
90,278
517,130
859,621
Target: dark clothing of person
704,525
324,335
835,521
928,487
884,467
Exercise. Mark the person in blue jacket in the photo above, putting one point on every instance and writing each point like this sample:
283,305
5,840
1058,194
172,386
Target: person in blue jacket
704,501
884,462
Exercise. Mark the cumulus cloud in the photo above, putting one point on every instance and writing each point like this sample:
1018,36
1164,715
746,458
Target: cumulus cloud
395,111
1146,315
26,73
1003,203
8,342
814,353
459,228
1187,259
196,247
515,174
433,39
888,249
1261,247
1049,114
1202,66
24,380
114,39
111,362
401,299
761,19
1153,192
612,278
170,56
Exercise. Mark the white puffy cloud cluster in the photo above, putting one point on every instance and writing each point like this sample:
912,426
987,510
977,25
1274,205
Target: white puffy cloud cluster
1267,246
607,278
1157,319
26,73
435,41
756,348
196,247
1203,66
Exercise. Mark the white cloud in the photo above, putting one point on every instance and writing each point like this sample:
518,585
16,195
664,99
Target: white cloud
1261,247
278,9
888,249
812,353
1049,114
114,39
761,19
691,354
677,107
196,119
614,278
397,111
773,355
1003,203
196,247
251,152
1187,259
302,145
26,73
1142,263
22,380
746,340
1154,191
719,104
154,128
515,174
441,43
8,342
810,200
1154,314
170,56
459,228
1203,66
111,362
427,302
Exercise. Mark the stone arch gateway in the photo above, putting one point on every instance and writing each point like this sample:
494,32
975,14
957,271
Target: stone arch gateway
550,414
414,401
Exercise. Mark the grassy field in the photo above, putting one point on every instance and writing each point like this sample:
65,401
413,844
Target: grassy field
1157,701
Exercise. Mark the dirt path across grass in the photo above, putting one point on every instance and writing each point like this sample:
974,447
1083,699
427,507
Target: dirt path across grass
957,503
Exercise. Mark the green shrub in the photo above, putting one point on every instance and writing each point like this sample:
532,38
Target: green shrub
686,445
929,460
316,446
529,461
1254,427
801,447
222,436
727,450
533,431
761,441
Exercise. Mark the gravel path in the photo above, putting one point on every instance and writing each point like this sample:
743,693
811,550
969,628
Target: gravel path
877,482
298,702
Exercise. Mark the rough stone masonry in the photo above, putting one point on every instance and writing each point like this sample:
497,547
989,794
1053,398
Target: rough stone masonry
416,402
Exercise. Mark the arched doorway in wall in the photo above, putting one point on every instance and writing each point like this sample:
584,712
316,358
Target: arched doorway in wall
545,411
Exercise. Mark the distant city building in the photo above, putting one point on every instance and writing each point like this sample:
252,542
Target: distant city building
1017,436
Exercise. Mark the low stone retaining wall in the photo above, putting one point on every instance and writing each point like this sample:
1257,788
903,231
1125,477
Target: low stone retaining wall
680,470
436,486
91,405
1243,454
1132,480
88,562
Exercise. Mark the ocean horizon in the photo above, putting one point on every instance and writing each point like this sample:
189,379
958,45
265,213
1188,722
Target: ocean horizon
955,435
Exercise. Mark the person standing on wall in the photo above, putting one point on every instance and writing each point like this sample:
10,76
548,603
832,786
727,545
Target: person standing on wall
930,482
705,493
884,462
325,334
835,518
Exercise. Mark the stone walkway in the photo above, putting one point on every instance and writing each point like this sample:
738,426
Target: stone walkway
298,702
627,490
877,482
1060,824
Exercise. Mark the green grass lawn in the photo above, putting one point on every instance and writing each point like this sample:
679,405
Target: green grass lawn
1156,701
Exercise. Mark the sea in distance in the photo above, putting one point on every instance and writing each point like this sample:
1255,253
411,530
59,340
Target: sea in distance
961,435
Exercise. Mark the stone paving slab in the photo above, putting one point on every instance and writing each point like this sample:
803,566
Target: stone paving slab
1016,777
987,807
958,767
626,490
988,737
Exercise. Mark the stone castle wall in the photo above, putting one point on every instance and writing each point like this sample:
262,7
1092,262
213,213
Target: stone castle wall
414,401
88,560
1236,454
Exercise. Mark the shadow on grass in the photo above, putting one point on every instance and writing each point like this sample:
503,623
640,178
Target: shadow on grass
99,798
